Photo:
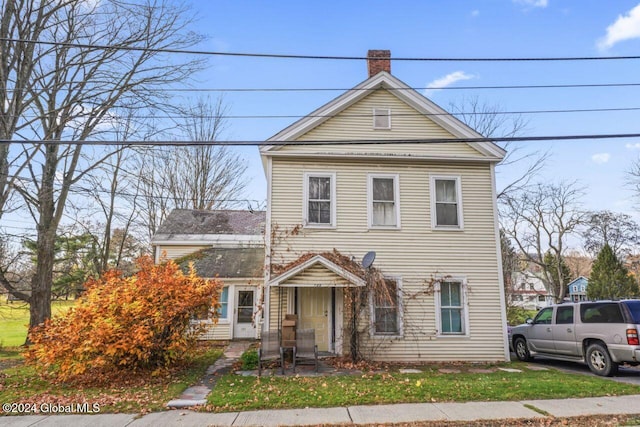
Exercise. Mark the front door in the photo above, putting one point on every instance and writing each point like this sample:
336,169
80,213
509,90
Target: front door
243,325
314,309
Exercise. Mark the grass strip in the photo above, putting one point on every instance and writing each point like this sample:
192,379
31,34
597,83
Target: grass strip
235,393
141,393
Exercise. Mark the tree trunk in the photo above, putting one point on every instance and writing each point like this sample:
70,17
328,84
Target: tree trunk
42,280
40,301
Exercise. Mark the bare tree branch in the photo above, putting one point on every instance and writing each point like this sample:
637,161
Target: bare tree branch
540,220
72,93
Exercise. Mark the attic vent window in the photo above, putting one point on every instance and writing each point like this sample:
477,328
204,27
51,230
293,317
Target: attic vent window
381,118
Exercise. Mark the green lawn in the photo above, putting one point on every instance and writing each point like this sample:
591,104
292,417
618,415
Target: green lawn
234,393
14,318
132,393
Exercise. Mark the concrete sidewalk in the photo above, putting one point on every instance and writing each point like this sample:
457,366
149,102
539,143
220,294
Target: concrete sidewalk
381,414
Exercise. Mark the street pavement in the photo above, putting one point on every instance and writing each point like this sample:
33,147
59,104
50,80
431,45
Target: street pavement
380,414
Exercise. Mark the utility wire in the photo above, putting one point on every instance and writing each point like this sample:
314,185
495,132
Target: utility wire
317,57
523,86
296,116
153,196
168,143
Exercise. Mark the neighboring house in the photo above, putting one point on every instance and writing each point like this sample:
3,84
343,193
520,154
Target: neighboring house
228,245
529,292
577,289
427,209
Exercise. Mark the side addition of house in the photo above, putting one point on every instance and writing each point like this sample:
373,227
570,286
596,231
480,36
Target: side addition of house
228,245
337,191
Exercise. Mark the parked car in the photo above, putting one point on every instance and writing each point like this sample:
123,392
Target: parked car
602,334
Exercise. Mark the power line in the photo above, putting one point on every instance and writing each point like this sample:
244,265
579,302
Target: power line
244,143
153,196
317,57
521,86
416,114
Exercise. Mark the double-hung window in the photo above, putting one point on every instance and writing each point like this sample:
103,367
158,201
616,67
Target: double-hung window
320,197
384,206
451,307
386,308
446,202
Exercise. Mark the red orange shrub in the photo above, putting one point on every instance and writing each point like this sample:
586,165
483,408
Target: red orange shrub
125,323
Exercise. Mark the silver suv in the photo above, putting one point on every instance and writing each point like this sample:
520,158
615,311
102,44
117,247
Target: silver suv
602,334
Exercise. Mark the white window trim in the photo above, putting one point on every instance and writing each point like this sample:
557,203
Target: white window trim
372,313
396,200
432,190
377,112
230,307
465,308
305,199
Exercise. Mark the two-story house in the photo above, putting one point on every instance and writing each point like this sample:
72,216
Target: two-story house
383,169
577,289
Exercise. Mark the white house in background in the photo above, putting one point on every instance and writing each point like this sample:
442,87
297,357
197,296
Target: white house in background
529,292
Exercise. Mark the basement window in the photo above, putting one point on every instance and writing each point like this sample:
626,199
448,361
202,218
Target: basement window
382,118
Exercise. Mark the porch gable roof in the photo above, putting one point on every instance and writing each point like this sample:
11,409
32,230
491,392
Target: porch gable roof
287,278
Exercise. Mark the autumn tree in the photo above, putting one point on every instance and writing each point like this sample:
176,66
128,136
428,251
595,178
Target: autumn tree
540,220
67,68
617,230
125,323
609,278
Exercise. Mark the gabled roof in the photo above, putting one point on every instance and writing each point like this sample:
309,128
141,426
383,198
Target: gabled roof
401,90
191,224
245,262
351,273
581,279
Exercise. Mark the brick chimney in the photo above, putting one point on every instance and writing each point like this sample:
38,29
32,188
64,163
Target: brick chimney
378,60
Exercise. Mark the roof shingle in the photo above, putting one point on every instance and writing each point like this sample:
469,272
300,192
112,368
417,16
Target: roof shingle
202,222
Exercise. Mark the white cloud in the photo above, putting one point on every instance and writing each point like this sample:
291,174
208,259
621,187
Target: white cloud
626,27
533,3
447,80
635,146
475,12
600,158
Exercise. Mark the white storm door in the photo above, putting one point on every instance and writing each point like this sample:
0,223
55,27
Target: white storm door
243,325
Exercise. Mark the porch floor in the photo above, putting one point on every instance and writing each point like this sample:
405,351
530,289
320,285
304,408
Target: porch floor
304,369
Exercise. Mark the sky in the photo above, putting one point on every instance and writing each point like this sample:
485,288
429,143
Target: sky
443,29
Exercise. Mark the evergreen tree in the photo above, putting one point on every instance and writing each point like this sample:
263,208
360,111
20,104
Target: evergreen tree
609,279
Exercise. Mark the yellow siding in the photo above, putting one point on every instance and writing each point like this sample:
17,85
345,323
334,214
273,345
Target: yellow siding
315,275
177,251
356,122
221,331
415,252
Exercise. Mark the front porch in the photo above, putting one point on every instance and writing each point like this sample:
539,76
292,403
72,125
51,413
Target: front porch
313,288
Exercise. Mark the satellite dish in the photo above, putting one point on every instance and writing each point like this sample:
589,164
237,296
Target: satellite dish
368,258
